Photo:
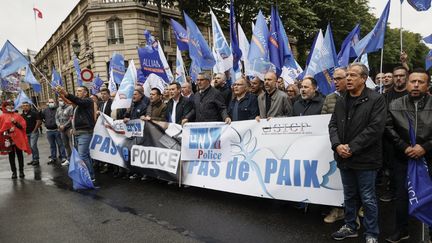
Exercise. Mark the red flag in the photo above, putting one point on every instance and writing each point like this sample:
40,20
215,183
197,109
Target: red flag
37,12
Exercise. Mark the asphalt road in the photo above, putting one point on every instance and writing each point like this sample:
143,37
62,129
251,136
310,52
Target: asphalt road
44,208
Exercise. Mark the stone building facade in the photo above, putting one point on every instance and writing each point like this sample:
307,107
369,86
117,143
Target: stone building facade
103,27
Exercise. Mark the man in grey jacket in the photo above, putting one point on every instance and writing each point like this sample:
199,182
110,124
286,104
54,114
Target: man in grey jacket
274,102
63,119
53,135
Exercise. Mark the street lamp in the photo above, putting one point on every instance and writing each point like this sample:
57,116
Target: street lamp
76,47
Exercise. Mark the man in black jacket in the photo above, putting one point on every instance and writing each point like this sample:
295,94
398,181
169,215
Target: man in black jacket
82,122
209,102
220,83
179,108
105,106
416,106
244,106
139,106
311,101
356,128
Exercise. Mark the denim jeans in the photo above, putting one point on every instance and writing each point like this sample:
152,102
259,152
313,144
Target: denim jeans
33,139
66,138
82,144
55,142
360,184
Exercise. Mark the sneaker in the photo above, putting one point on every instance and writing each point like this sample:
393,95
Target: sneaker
344,232
65,162
144,178
135,177
398,237
387,197
334,215
51,161
371,239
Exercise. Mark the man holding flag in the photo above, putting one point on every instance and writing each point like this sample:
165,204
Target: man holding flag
417,107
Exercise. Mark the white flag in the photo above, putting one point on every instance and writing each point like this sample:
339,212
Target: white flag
123,98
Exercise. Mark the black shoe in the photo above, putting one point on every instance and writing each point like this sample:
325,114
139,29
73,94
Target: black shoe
21,175
51,161
35,163
31,162
398,237
387,197
14,175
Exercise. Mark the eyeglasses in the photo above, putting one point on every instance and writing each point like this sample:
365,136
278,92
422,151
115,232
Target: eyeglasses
338,78
238,84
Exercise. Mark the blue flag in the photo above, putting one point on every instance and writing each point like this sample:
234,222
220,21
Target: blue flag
419,184
11,59
374,40
117,66
235,47
258,55
77,70
347,47
194,71
29,78
322,62
199,51
180,34
97,83
428,39
55,79
21,98
151,62
150,39
221,49
429,60
79,172
420,5
140,77
276,45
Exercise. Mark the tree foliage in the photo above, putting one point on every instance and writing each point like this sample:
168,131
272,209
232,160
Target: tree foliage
303,18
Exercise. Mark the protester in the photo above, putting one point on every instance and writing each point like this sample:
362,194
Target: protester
356,129
257,86
220,83
106,102
293,93
156,111
311,101
209,102
179,108
379,82
387,82
186,90
139,106
63,118
274,102
13,139
244,105
339,78
281,84
82,123
398,90
33,122
416,106
53,134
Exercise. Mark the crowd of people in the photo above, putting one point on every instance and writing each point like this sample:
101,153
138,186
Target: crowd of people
369,129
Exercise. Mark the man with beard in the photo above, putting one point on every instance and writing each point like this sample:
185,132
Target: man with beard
274,102
416,106
311,101
221,85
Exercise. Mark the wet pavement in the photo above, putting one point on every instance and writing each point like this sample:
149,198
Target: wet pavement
44,208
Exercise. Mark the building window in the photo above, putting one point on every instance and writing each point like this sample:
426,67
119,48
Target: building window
166,35
115,31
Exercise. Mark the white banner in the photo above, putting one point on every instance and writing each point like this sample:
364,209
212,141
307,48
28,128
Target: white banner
283,158
155,158
132,128
103,147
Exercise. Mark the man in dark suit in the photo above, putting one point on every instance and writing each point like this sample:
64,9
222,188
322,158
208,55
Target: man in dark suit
179,108
105,106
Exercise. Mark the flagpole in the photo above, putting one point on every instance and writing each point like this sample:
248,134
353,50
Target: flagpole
401,42
381,68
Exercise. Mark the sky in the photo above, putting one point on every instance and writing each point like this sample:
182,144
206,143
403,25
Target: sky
19,26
